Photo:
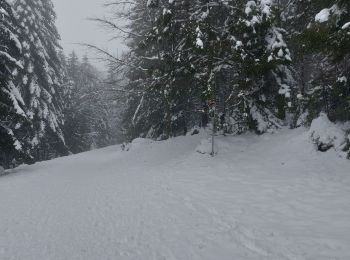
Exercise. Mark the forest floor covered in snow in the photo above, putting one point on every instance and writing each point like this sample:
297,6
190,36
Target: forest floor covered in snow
269,197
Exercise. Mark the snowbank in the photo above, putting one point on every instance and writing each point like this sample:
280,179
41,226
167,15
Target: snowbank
135,143
326,135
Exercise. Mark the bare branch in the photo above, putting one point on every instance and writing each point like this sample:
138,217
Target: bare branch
114,26
112,58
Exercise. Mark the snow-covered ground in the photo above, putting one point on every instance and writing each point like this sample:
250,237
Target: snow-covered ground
271,197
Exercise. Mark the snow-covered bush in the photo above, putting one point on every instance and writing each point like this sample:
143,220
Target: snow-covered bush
135,144
194,131
125,147
326,135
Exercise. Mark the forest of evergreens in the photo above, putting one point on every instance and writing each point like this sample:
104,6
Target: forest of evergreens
243,65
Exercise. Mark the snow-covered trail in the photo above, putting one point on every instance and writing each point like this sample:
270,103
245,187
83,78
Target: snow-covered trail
270,197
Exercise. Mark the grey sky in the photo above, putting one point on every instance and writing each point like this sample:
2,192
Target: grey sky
74,26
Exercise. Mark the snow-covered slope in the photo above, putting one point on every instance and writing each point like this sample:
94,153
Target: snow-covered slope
270,197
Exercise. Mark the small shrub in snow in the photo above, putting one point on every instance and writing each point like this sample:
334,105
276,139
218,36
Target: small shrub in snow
162,137
205,147
125,147
325,134
137,142
194,131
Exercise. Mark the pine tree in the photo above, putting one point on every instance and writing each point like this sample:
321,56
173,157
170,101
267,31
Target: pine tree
190,54
13,118
163,73
91,89
263,85
87,115
42,84
143,72
327,38
332,26
74,130
115,98
170,73
236,55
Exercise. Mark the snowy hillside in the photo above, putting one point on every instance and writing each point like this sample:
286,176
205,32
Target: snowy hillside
270,197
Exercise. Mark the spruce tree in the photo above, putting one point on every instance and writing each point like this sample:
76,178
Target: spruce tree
327,39
263,88
87,113
143,73
200,51
162,72
13,118
42,84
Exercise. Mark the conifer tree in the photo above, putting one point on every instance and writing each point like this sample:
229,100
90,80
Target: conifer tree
13,118
41,83
86,115
144,73
190,54
327,39
263,84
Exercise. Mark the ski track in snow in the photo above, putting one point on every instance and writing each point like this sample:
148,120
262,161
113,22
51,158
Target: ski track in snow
270,197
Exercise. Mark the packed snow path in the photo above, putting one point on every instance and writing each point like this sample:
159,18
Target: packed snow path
270,197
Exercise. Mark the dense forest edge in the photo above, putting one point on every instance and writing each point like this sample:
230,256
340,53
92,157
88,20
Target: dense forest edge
236,66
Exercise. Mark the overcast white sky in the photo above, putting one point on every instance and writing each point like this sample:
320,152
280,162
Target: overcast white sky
74,27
